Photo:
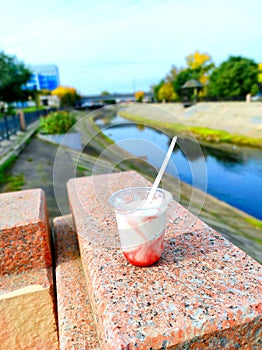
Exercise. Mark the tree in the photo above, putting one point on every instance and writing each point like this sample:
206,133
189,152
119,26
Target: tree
254,89
156,89
45,92
198,59
260,78
260,73
174,71
181,79
68,96
13,77
234,77
201,64
139,96
166,92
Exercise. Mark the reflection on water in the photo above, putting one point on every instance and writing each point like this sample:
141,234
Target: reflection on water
234,177
226,158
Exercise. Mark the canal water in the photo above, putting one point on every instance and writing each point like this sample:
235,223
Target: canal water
233,176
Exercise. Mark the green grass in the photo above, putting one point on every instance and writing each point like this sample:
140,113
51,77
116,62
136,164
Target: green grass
221,136
100,133
32,109
7,164
254,222
12,182
83,170
200,133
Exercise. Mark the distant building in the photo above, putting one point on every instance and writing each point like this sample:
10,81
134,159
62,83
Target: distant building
44,77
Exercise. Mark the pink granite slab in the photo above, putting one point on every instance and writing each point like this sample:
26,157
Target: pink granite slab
204,293
42,277
24,231
77,329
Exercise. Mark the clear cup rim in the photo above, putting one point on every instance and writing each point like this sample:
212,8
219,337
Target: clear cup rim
167,196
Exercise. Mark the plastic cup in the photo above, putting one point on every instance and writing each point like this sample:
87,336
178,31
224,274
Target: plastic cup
141,223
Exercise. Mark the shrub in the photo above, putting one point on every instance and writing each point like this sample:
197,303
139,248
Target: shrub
139,96
57,123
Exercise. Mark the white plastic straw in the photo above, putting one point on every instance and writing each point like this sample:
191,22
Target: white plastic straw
162,170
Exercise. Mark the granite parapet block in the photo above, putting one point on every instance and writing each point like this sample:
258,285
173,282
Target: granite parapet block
77,328
204,293
24,231
27,311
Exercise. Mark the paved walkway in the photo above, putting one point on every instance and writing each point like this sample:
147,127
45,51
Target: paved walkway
36,163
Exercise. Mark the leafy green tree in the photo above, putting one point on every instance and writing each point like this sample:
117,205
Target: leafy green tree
156,89
254,89
13,77
181,79
234,77
69,99
199,66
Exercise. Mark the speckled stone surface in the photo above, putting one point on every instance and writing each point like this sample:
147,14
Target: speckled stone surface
27,303
24,231
42,277
77,329
204,293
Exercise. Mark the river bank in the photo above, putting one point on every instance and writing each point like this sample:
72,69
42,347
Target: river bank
226,124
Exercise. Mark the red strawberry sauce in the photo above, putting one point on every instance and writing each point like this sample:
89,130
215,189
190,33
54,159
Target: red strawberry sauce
146,254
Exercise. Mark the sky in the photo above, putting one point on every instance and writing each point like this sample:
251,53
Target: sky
127,45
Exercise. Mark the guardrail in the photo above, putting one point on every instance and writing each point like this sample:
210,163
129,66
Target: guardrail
10,125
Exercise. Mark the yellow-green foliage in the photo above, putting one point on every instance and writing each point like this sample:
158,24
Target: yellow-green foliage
260,72
220,136
139,96
57,122
166,92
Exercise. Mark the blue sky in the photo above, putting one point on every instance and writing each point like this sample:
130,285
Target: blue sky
126,45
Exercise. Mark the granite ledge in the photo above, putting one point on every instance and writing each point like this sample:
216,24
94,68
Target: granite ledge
202,287
77,329
42,277
24,231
